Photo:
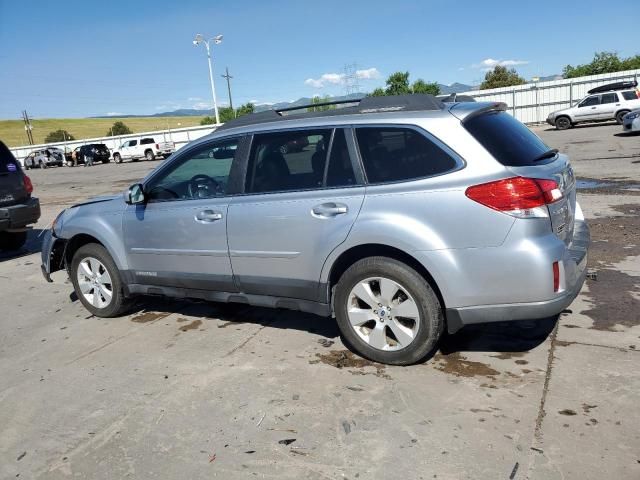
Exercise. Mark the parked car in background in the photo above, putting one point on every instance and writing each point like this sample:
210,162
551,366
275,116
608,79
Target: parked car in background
406,216
48,157
607,102
18,209
99,151
631,122
146,147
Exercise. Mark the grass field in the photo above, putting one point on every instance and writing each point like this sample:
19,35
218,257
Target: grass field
12,132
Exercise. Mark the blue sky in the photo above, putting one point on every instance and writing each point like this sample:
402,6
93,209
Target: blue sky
85,58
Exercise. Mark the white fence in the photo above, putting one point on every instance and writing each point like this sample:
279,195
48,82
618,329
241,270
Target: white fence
180,136
529,103
533,102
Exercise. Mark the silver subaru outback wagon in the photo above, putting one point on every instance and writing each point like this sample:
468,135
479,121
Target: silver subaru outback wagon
399,216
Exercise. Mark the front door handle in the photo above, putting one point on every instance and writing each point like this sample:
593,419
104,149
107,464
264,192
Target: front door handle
207,216
329,209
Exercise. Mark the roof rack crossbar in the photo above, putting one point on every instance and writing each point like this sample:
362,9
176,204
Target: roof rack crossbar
322,104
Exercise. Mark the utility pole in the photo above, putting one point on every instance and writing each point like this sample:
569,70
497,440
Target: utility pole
27,127
228,77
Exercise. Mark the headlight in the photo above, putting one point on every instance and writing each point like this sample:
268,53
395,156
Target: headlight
57,223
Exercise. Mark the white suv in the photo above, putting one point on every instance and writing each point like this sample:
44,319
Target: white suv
607,102
146,148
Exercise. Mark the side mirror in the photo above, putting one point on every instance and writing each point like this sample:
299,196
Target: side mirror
135,195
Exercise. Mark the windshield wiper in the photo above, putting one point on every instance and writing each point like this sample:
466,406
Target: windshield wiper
548,154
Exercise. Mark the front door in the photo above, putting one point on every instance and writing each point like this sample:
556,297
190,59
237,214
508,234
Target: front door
296,209
179,237
587,109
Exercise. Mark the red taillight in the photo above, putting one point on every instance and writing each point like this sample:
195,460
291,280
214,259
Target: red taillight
157,147
556,277
27,184
515,194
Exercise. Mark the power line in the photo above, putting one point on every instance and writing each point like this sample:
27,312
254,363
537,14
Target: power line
351,84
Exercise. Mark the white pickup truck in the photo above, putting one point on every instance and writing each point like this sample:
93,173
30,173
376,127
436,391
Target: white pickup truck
146,148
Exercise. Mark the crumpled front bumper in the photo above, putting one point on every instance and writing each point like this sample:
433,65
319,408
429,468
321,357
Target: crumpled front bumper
52,254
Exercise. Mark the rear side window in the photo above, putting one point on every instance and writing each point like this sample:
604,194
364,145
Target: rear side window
392,154
146,141
7,160
609,98
631,95
509,141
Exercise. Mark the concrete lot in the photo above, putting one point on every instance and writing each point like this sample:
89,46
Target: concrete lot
200,390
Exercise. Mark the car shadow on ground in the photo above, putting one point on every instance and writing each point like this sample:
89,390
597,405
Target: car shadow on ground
514,336
585,125
33,245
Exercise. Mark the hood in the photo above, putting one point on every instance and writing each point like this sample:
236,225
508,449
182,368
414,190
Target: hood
558,112
100,199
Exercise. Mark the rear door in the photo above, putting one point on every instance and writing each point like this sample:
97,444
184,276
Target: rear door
302,196
522,152
609,103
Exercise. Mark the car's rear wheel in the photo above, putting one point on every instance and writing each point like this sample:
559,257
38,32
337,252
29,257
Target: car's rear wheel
387,311
97,282
149,155
619,116
12,240
117,158
563,123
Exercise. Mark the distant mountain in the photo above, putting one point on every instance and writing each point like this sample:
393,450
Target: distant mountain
454,88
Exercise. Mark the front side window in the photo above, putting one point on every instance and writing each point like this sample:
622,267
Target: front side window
201,173
609,98
283,161
133,143
590,101
391,154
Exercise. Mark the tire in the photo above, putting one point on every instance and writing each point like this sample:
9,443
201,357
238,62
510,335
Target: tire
619,116
149,156
86,256
26,166
117,158
42,165
284,149
10,241
424,331
563,123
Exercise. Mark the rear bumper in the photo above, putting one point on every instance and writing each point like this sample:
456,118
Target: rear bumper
574,268
19,216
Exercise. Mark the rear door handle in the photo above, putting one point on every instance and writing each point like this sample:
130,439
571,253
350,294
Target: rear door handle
329,209
207,216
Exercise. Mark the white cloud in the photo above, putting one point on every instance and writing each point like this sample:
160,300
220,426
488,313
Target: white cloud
194,99
490,63
201,105
340,78
114,114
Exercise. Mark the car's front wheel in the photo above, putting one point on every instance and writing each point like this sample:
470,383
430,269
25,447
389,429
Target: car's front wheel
387,311
97,282
563,123
117,158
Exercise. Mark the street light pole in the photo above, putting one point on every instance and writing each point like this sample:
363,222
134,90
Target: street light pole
216,40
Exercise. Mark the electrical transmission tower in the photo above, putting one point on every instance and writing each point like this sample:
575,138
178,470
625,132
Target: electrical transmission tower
351,84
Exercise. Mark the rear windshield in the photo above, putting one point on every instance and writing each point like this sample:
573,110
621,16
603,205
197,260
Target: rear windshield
8,162
509,141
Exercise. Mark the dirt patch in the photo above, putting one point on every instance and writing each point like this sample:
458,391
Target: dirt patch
521,362
509,355
147,317
612,240
191,326
610,186
567,412
587,408
345,359
456,365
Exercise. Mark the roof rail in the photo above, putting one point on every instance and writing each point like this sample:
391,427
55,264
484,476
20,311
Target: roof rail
392,103
614,86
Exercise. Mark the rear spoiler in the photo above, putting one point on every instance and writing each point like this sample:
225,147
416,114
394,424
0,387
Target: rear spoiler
467,110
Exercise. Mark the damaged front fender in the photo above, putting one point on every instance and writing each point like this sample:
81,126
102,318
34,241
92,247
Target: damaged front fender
52,255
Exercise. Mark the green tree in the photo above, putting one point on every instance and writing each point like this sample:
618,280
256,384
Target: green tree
118,128
208,121
246,109
58,136
226,114
603,62
420,86
501,77
398,84
318,99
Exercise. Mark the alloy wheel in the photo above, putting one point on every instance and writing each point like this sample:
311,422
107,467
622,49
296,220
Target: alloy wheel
94,282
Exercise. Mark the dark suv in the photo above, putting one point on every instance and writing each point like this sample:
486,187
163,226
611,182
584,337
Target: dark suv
17,207
99,151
